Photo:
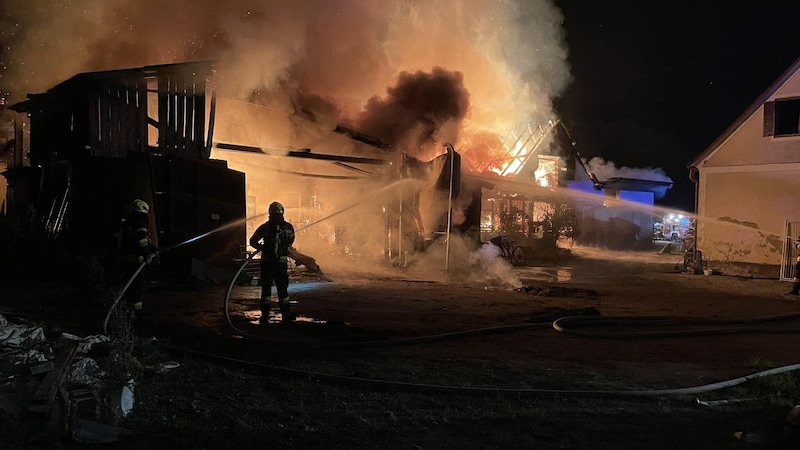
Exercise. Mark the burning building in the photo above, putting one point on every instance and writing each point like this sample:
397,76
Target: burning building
297,76
359,173
93,143
211,164
100,139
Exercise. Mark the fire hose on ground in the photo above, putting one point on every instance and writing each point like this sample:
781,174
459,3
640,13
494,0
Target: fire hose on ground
121,294
561,325
697,326
471,390
414,340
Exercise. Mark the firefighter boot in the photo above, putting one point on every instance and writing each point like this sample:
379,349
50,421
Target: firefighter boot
264,304
287,316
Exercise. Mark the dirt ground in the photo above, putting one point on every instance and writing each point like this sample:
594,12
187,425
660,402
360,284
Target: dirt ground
399,360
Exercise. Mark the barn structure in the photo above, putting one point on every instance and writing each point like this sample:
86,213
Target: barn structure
90,145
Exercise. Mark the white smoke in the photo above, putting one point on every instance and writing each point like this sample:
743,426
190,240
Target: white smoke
605,170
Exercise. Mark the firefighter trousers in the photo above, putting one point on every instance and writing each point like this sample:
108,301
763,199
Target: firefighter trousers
276,272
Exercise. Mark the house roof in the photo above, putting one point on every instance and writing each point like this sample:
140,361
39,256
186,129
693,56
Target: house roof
793,69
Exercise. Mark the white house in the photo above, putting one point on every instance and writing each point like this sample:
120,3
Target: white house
748,187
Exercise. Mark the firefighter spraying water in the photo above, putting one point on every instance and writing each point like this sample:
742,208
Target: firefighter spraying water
273,239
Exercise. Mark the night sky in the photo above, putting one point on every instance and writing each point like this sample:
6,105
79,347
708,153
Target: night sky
654,83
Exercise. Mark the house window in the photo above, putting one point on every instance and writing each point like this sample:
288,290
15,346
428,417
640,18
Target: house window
782,118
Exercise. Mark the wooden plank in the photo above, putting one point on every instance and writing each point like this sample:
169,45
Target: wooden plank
45,395
200,118
180,117
131,116
104,125
116,116
169,117
94,125
303,154
163,111
191,120
143,119
121,123
173,115
212,112
305,260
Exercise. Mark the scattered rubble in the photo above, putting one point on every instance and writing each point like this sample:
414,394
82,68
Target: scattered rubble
57,390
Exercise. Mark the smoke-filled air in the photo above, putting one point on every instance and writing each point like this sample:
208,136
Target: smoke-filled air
414,73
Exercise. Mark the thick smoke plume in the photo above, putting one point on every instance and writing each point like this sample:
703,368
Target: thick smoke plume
511,53
415,110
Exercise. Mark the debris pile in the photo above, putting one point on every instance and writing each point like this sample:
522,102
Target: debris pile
54,390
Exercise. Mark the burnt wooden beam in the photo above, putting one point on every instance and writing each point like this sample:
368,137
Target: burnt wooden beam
141,112
304,260
361,137
212,112
354,169
45,395
180,116
303,153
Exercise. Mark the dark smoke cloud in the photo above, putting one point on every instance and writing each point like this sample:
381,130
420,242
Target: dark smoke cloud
415,109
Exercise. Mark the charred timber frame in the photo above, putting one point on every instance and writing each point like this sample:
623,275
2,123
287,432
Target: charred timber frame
303,153
181,113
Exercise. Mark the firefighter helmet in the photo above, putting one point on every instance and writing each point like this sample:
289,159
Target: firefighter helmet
140,206
275,208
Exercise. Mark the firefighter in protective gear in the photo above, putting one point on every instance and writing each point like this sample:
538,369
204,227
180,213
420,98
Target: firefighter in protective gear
135,247
273,238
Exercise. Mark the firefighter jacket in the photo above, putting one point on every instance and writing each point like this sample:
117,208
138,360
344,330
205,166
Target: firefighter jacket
277,236
135,244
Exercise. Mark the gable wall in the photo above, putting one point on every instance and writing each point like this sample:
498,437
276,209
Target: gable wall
743,216
748,145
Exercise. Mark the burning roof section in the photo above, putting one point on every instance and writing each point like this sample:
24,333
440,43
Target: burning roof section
153,108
